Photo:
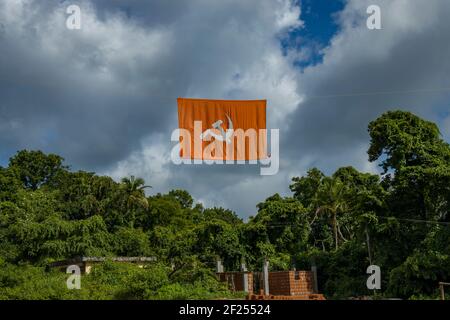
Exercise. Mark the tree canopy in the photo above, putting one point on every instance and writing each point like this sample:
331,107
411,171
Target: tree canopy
341,223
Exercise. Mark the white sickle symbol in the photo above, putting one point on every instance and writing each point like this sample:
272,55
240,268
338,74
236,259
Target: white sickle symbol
224,136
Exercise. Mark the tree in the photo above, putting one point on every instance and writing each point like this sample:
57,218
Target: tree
417,163
406,140
84,194
48,212
10,184
131,242
306,188
35,168
278,232
222,214
216,238
183,197
420,160
133,190
332,200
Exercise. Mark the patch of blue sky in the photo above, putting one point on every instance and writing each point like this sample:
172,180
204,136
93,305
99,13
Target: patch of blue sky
318,29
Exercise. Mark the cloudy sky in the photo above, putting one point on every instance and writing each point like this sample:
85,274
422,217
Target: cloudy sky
104,96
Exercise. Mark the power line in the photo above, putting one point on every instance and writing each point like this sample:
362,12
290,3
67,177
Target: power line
418,220
324,96
282,224
360,94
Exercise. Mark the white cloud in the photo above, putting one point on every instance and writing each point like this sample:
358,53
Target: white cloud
287,15
104,97
366,72
150,161
240,59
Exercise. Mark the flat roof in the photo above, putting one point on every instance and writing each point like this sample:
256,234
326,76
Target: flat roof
101,259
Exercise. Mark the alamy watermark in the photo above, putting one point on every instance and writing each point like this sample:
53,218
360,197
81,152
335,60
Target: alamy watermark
374,280
73,21
373,22
241,147
74,280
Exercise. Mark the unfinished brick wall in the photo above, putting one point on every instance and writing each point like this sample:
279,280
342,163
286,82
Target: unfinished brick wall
291,283
235,280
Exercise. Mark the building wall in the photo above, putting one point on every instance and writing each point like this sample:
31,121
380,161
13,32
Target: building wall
87,267
283,283
291,283
235,280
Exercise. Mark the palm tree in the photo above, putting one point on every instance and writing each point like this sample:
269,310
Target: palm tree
333,202
134,192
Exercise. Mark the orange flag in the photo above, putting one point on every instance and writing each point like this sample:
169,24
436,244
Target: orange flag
222,129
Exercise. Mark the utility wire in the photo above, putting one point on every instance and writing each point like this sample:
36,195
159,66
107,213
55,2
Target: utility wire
375,93
54,84
282,224
418,220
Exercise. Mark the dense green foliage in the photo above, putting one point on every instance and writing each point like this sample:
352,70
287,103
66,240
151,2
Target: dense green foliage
342,223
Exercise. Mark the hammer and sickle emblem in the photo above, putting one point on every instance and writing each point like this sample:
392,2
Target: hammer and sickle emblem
223,136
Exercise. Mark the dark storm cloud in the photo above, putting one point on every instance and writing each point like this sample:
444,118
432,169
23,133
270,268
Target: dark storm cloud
93,94
104,97
366,72
75,92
